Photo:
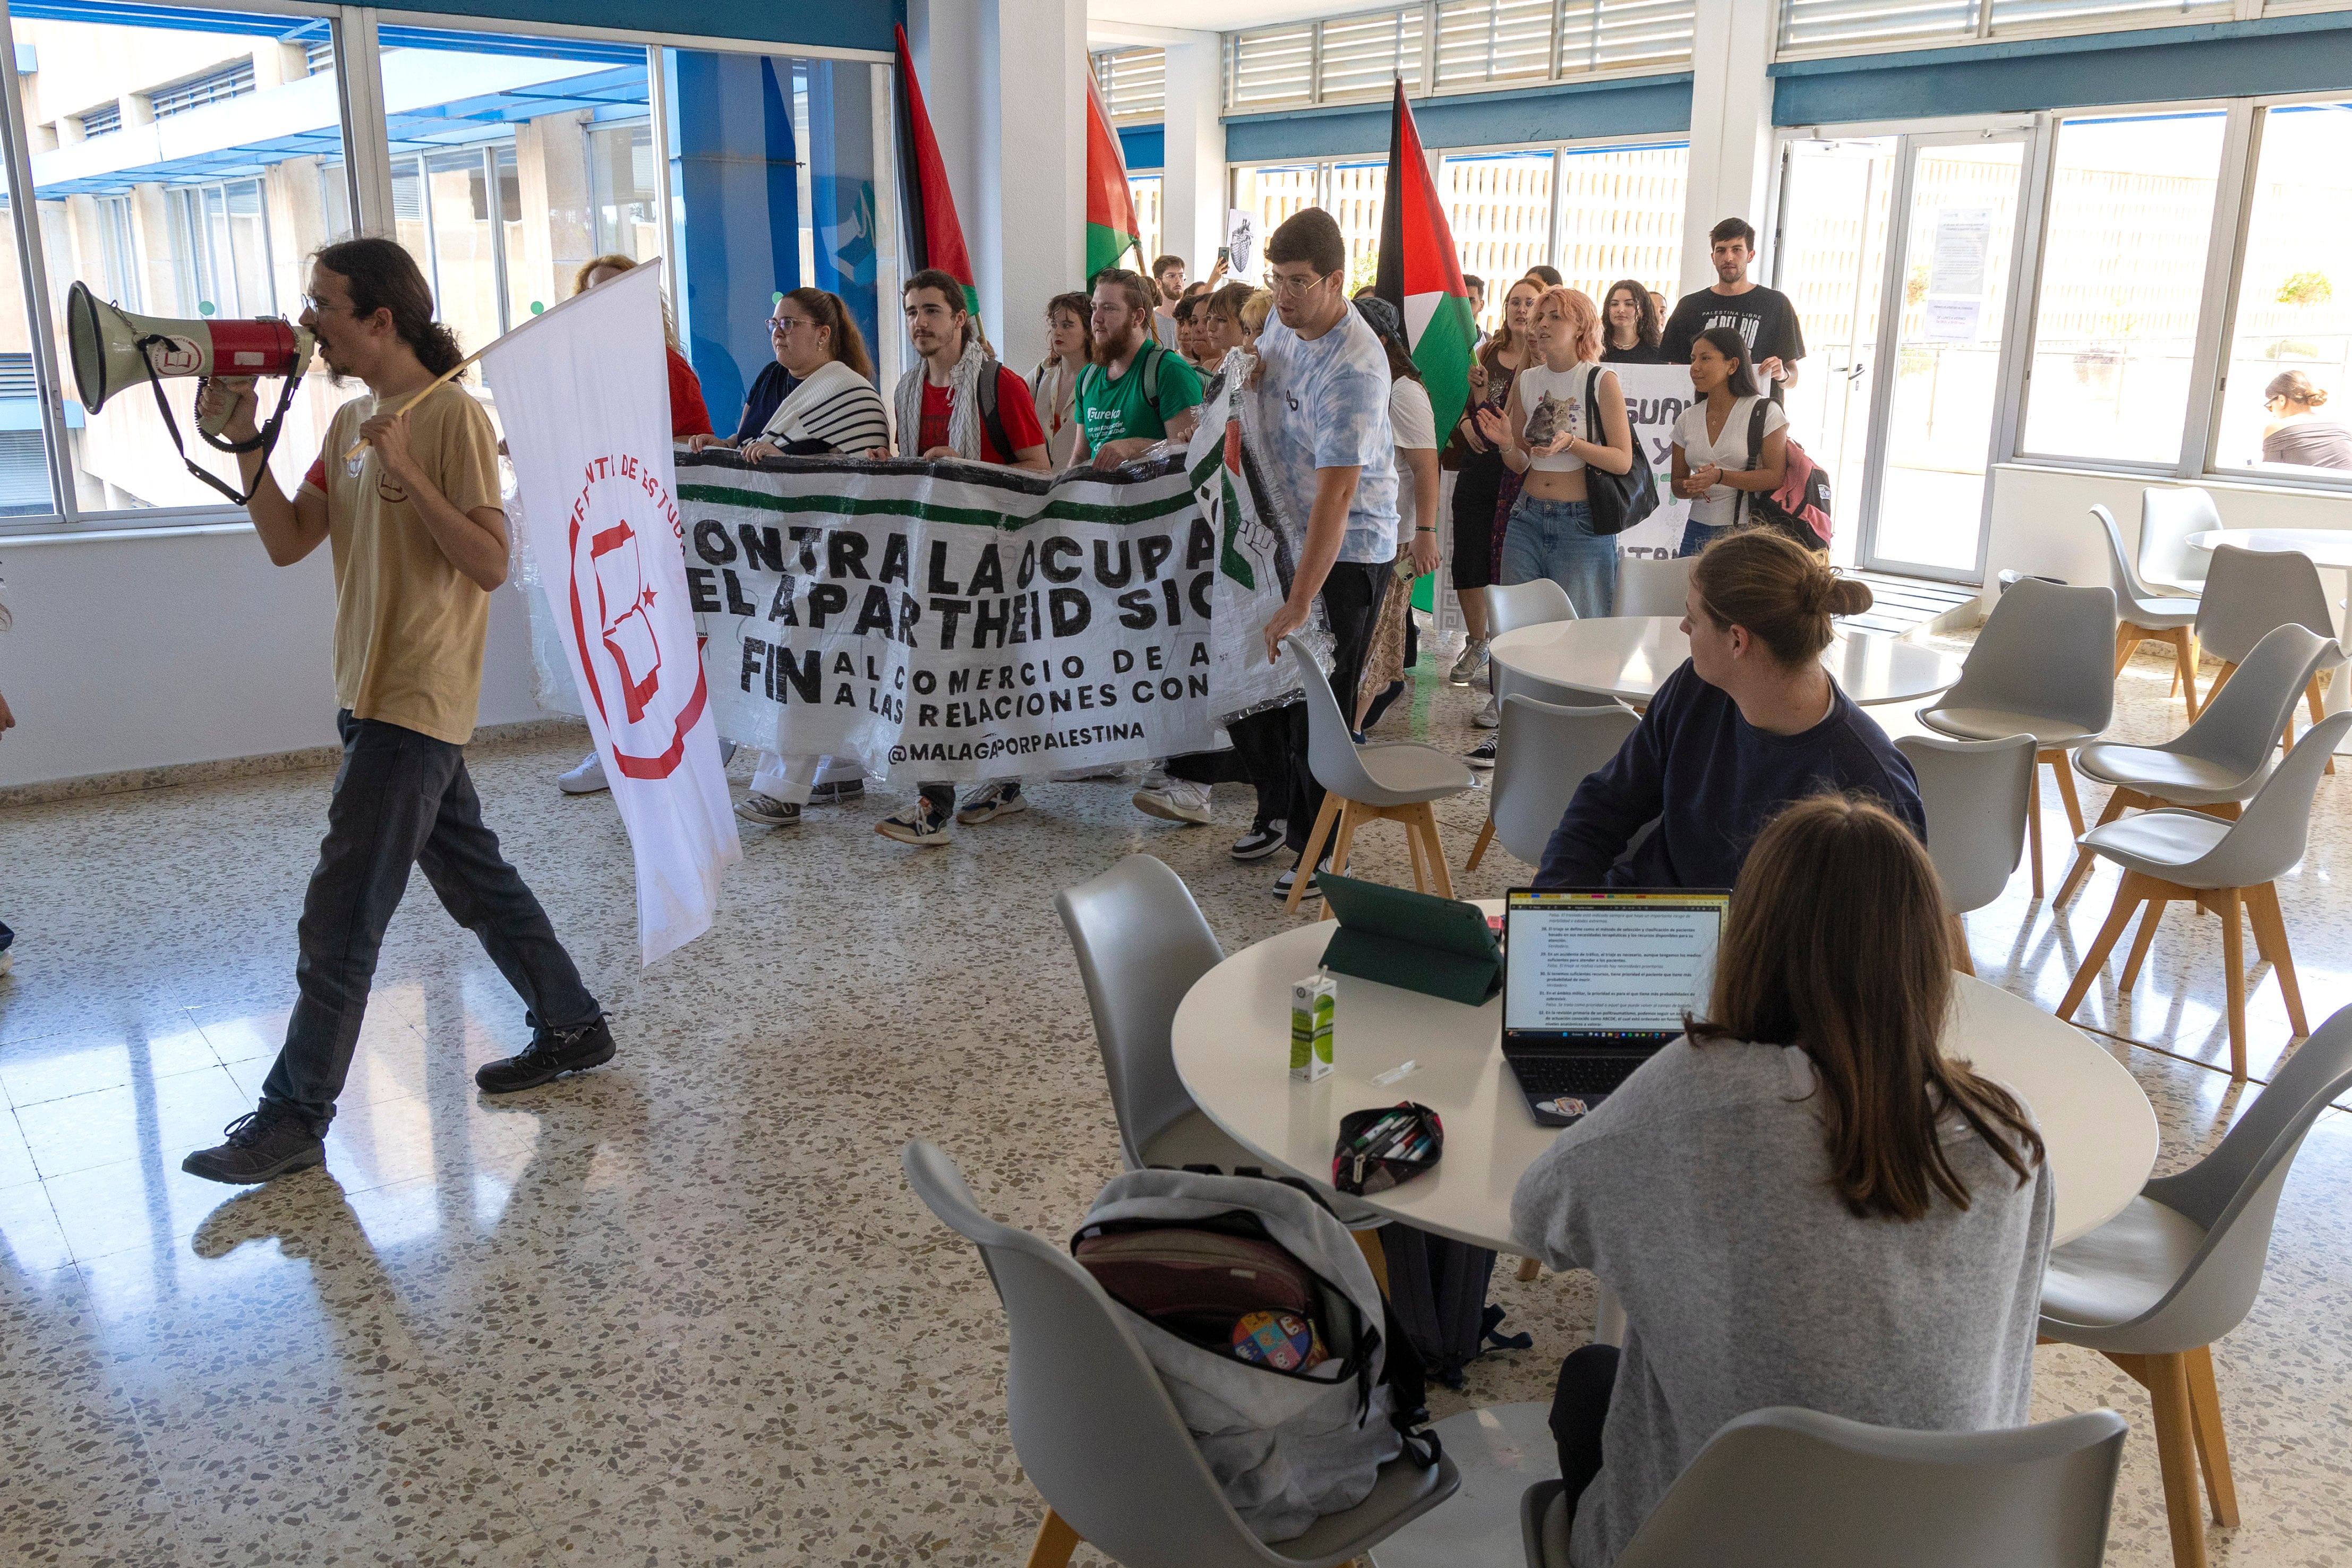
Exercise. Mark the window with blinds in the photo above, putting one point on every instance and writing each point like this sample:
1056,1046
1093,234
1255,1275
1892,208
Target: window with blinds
1134,84
1361,56
1494,43
1812,28
1272,68
102,122
213,86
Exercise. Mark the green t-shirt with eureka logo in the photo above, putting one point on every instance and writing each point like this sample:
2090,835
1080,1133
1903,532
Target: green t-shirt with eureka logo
1112,410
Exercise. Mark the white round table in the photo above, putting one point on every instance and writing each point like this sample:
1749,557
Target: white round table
1628,657
1231,1041
2330,549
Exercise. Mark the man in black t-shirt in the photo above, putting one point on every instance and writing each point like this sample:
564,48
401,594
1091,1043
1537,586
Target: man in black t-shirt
1762,317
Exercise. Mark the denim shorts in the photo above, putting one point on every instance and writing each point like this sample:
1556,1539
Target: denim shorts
1555,540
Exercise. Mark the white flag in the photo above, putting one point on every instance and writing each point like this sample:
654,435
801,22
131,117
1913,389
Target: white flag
583,393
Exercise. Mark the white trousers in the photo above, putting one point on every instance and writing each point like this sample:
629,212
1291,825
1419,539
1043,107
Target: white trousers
791,779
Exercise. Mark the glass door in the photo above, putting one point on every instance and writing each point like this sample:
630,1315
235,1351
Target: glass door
1897,252
1830,258
1932,420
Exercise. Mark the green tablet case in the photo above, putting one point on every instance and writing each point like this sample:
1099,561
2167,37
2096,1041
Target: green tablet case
1439,946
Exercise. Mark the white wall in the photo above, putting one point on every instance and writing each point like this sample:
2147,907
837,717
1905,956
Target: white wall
143,650
1731,138
2042,520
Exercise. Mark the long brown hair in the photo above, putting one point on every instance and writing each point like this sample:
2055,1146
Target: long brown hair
1776,588
1647,330
848,344
380,275
1502,338
1081,307
1838,944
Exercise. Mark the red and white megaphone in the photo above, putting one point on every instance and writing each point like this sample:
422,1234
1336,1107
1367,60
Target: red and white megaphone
113,349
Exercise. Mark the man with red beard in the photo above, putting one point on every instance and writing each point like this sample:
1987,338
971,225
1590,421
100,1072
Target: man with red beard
1137,393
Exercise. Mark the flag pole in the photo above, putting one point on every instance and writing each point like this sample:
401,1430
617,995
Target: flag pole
361,445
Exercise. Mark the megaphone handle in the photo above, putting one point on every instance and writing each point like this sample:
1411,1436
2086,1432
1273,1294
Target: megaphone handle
240,388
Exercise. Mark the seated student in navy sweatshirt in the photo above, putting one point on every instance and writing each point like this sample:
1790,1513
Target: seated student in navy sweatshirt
1751,723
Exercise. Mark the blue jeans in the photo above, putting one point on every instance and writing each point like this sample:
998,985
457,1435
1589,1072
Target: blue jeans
403,800
1698,535
1555,540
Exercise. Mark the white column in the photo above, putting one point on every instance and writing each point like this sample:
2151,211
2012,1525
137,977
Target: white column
1029,232
1731,129
944,37
1193,180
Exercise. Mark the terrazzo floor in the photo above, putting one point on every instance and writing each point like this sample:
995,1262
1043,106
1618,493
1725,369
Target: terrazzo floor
685,1311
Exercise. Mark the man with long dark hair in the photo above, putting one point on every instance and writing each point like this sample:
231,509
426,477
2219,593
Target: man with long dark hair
419,541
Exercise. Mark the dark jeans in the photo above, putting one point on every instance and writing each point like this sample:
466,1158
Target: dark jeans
1580,1407
1351,603
1260,757
403,799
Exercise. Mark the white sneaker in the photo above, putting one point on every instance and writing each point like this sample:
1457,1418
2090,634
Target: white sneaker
1465,668
1488,718
586,779
1156,780
1180,801
998,798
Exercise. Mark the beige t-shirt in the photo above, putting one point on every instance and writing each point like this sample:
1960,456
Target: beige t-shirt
409,626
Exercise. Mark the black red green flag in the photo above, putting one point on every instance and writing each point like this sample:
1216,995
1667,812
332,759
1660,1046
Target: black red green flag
934,238
1420,275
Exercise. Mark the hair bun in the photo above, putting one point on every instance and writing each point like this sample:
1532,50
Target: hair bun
2316,396
1848,597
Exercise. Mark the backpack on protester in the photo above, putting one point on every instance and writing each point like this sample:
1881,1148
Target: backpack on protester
989,420
1147,360
1258,1312
1801,506
1615,501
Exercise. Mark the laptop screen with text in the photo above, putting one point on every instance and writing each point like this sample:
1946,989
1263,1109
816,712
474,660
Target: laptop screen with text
1608,965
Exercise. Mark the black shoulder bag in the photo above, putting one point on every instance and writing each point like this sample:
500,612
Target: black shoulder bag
1617,501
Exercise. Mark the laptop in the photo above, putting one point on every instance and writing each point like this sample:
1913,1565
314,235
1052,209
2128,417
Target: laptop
1596,981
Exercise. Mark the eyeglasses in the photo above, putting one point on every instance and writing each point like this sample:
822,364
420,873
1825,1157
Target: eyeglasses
318,307
1286,287
786,323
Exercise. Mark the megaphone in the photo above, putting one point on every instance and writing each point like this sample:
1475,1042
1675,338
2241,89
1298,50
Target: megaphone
112,348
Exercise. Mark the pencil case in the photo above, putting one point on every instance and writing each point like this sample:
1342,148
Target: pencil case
1385,1147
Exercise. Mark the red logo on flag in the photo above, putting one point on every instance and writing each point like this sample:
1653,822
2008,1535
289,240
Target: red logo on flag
621,514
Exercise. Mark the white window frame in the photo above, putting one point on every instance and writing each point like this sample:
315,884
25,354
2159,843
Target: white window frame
367,173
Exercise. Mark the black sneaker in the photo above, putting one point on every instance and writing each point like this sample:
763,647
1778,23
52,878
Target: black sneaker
835,793
1258,843
551,1053
1282,884
1483,754
260,1145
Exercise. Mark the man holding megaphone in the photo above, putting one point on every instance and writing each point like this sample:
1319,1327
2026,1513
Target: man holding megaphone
407,494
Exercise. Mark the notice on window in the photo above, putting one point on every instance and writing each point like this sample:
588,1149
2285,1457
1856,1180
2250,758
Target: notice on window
1955,269
1953,320
1627,969
1241,244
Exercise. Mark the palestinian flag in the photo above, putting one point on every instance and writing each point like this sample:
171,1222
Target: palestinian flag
1112,226
934,238
1420,275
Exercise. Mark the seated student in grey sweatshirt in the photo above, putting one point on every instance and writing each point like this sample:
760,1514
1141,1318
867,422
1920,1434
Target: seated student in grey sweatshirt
1800,1202
1752,722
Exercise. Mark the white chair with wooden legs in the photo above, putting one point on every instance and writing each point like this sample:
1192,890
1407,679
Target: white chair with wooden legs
2041,666
2154,1287
2249,593
1393,782
1977,793
2216,763
2229,867
1544,755
2143,615
1100,1439
2167,515
1647,585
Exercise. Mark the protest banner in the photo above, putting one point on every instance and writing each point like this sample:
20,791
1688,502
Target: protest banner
962,620
1655,396
583,393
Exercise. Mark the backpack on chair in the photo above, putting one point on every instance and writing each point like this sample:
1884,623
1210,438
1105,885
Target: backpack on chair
1256,1308
1801,506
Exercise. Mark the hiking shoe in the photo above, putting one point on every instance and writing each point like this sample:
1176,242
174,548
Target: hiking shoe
917,824
1258,843
835,793
1180,801
1465,668
1482,755
258,1145
768,811
991,802
551,1053
586,779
